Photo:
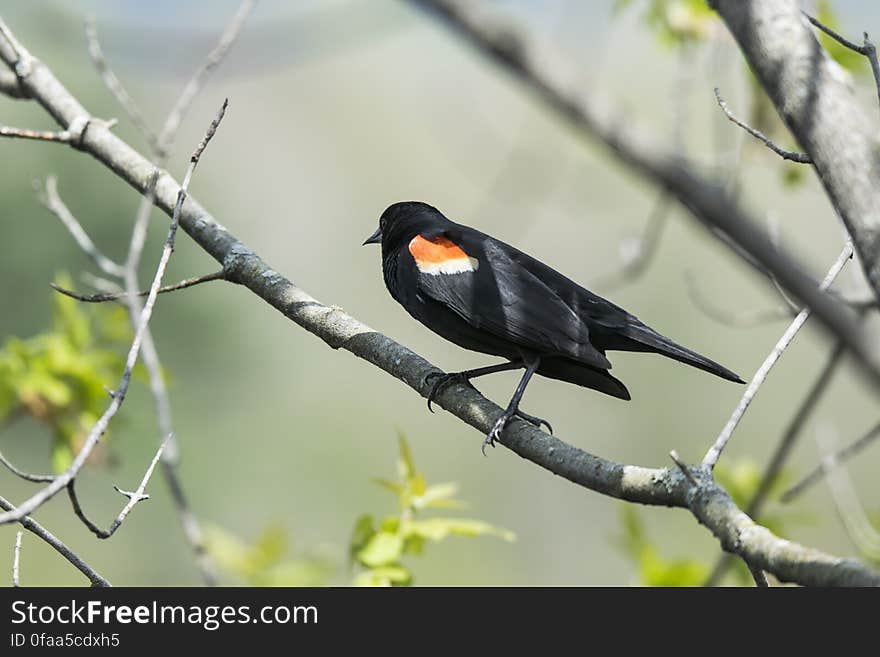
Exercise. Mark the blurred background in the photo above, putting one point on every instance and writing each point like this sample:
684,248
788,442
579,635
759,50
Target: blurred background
338,109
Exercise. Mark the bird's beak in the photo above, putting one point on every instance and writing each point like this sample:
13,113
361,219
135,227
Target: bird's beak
375,238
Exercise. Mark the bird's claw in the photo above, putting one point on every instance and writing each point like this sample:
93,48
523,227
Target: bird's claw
495,432
534,420
443,380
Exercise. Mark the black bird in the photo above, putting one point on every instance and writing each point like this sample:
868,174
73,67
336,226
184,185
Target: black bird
487,296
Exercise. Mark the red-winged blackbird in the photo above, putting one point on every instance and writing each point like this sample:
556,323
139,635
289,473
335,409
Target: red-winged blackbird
487,296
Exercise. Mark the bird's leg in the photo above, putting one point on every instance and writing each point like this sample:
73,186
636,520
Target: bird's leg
444,379
532,365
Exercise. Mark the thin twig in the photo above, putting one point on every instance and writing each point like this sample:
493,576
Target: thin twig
793,156
683,467
62,137
190,91
759,576
62,480
133,498
714,452
16,559
831,461
114,85
27,476
103,297
37,529
867,49
792,432
52,201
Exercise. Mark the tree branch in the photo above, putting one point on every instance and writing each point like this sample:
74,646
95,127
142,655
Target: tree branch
816,103
714,452
115,296
793,156
133,498
869,50
37,529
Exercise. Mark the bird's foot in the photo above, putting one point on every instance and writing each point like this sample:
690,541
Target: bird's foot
443,379
495,432
534,420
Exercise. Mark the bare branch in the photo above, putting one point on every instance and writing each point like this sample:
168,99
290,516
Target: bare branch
10,88
191,90
683,467
72,135
831,461
714,452
62,480
133,498
793,156
52,201
27,476
783,449
115,296
16,558
867,49
114,85
759,576
37,529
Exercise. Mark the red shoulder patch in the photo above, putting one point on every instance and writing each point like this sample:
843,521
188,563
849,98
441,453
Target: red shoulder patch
440,256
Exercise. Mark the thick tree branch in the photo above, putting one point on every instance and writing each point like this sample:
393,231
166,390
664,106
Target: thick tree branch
709,503
812,96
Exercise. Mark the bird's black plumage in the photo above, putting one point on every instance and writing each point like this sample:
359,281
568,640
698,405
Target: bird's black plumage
487,296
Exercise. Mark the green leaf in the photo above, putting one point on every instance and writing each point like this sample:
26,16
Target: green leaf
296,572
436,529
382,549
384,576
406,465
393,486
438,496
656,571
362,532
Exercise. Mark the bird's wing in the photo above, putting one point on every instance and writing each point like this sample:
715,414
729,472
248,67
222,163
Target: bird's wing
471,274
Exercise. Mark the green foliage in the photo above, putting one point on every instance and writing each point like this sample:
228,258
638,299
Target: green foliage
58,377
676,22
380,546
653,568
263,562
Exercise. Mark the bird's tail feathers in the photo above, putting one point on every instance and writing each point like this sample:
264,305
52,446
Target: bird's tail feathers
653,341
